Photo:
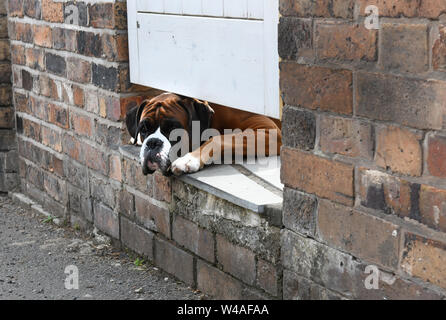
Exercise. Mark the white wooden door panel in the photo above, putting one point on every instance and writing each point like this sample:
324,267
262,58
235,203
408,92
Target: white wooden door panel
212,8
192,7
149,5
223,51
177,44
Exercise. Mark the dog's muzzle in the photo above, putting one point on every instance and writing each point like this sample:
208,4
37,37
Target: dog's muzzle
154,154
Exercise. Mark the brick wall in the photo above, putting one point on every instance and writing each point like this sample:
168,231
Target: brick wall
71,90
8,153
364,156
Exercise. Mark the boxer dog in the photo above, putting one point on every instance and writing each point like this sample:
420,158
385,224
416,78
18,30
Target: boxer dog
152,122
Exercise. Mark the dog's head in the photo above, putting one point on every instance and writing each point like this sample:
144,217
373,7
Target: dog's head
152,122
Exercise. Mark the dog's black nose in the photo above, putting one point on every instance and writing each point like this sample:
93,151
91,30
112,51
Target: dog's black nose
154,143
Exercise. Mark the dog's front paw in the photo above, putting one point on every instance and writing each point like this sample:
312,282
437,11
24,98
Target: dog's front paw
186,164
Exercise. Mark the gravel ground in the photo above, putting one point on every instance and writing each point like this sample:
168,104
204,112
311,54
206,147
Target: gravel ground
34,254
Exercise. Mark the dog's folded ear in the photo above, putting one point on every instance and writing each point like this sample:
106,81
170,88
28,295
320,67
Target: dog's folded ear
132,118
203,112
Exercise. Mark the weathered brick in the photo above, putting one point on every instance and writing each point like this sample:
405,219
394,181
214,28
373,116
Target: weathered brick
81,9
126,203
24,32
399,150
162,187
71,40
52,11
78,96
79,204
436,156
6,117
412,102
133,177
5,50
105,77
58,38
364,235
345,136
433,207
76,174
58,115
299,288
27,80
216,283
345,42
174,261
106,220
81,124
404,47
51,138
295,38
32,8
392,8
5,73
120,15
101,15
17,54
42,36
193,238
390,194
55,64
432,9
318,8
152,217
313,174
56,188
115,167
316,87
136,238
424,258
299,212
15,8
439,51
89,44
96,159
108,135
35,58
268,277
30,128
298,128
236,260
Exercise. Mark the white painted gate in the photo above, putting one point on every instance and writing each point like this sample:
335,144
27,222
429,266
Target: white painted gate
223,51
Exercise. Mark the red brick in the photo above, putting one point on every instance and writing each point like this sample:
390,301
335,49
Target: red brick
236,260
399,150
345,136
152,217
78,96
81,124
52,11
5,95
404,47
17,54
341,41
136,238
133,177
316,87
216,283
193,238
425,259
313,174
95,159
433,207
31,129
120,15
364,235
436,156
174,261
432,9
73,148
392,8
42,36
55,187
5,50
